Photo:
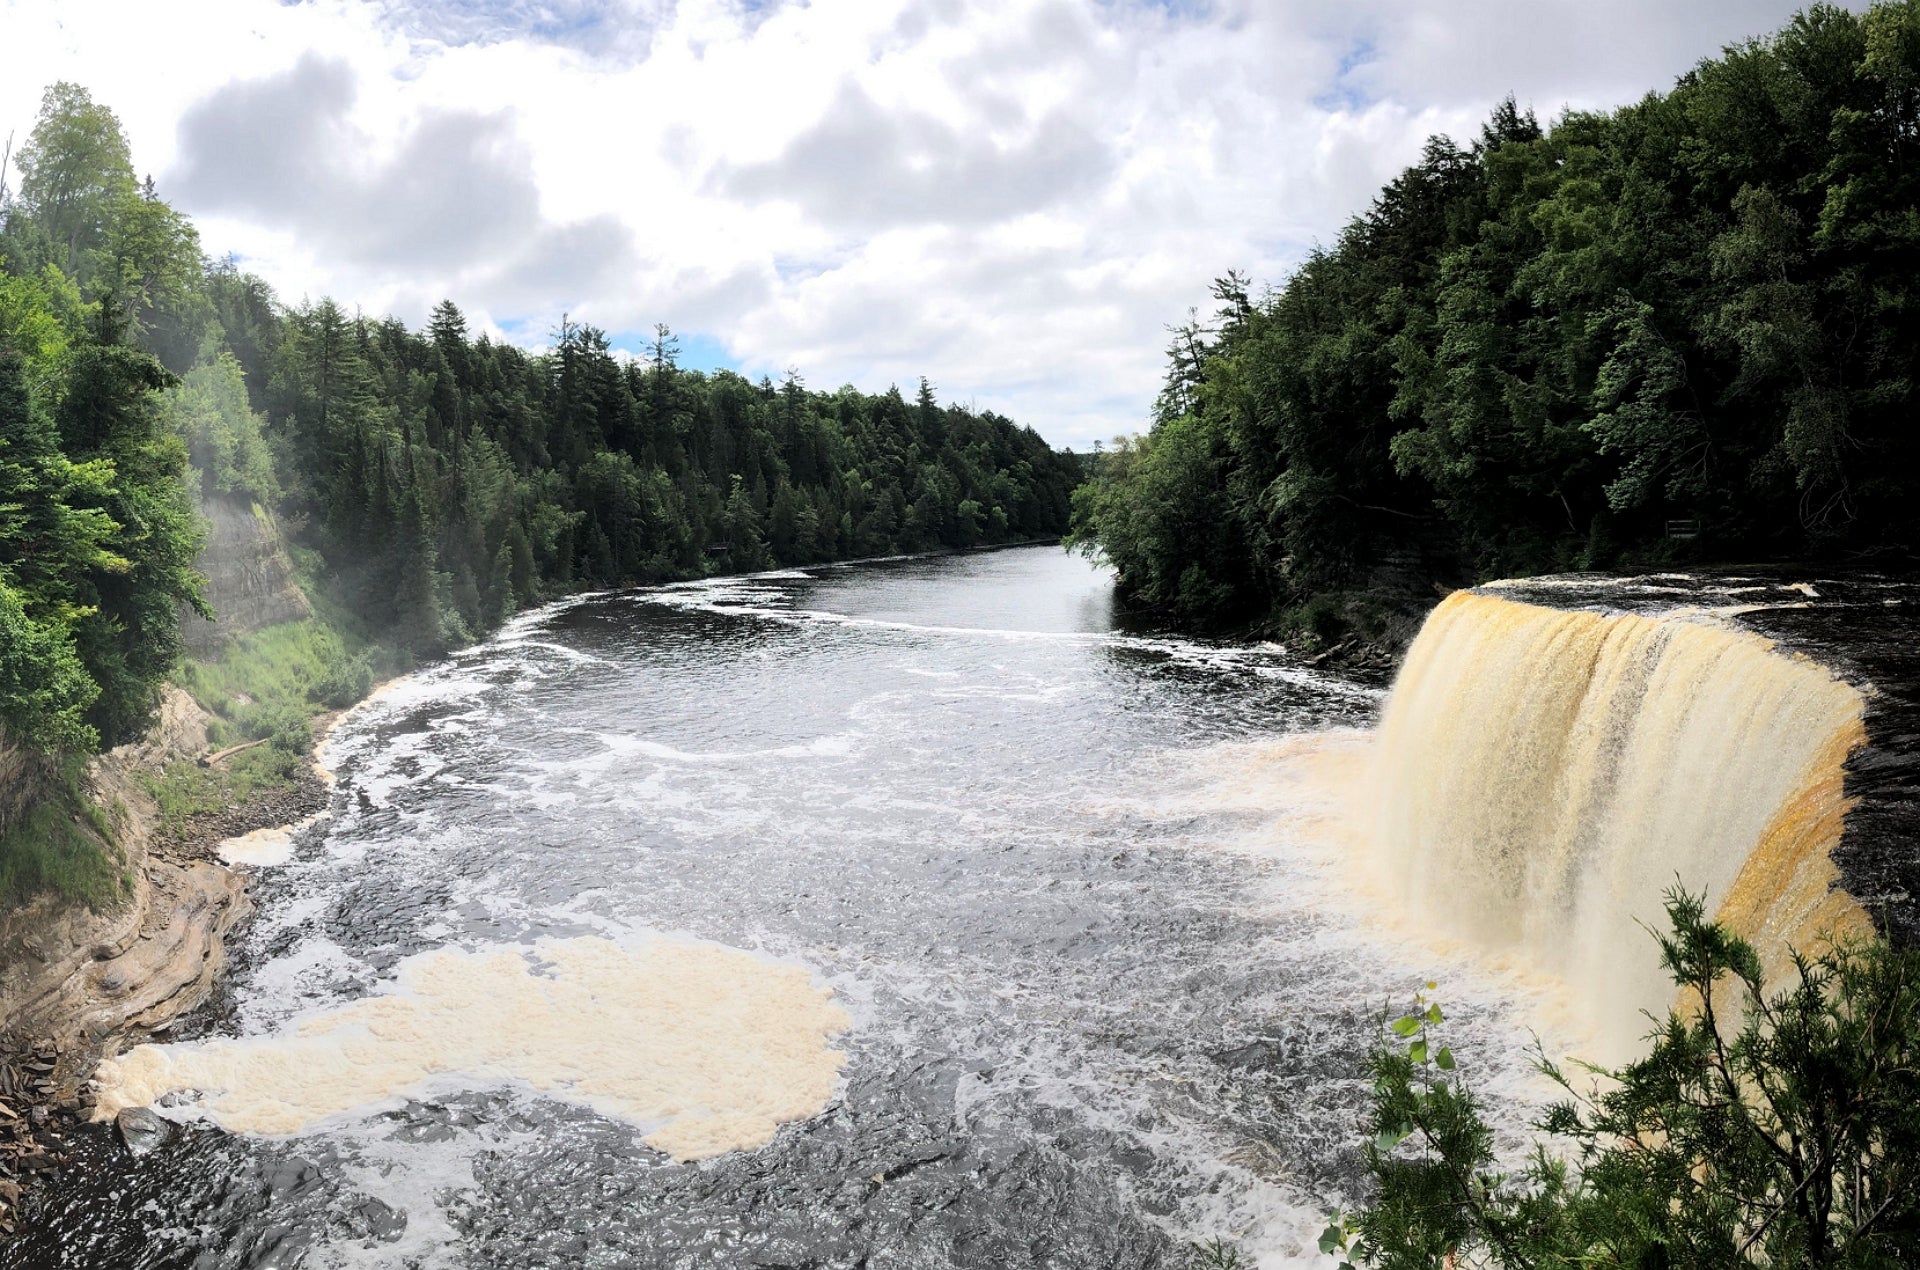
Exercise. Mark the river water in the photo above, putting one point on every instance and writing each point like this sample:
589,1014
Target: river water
1110,987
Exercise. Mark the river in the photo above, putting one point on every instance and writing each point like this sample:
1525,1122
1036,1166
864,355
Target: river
1108,984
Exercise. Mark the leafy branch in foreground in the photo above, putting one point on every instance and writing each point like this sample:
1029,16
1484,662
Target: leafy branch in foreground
1777,1129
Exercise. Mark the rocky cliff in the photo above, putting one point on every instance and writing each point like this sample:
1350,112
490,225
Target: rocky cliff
82,978
250,580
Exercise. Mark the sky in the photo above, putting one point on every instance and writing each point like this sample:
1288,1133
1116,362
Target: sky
1013,198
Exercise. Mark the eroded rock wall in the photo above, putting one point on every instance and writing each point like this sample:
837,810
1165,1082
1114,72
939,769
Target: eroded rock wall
83,978
250,581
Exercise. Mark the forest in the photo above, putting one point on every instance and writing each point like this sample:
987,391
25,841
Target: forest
1686,329
435,481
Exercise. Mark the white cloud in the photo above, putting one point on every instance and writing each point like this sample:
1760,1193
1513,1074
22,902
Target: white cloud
1013,198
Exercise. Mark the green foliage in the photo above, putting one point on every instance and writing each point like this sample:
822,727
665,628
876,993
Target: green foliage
1762,1129
259,681
448,482
61,845
39,320
97,535
127,627
74,171
283,725
44,690
1214,1254
1331,618
1159,508
210,412
1533,351
148,280
344,681
96,549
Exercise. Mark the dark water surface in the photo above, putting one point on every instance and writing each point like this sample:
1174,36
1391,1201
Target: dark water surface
1100,1008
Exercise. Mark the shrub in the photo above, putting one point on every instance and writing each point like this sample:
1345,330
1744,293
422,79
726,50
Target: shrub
1777,1129
345,680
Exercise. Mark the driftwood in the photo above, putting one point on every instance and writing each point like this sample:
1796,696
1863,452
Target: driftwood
230,751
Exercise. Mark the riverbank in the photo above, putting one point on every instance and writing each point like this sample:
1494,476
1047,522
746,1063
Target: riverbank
78,984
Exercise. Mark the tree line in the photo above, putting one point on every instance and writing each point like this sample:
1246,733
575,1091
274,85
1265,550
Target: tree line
443,479
1687,328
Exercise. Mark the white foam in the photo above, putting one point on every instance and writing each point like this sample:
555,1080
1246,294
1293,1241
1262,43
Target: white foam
838,745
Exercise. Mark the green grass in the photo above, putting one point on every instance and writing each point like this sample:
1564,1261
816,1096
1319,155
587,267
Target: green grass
63,845
187,789
269,683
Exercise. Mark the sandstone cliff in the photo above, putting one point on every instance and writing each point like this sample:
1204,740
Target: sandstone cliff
79,976
84,978
250,580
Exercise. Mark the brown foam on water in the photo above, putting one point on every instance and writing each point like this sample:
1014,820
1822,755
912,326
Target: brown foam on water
710,1048
265,847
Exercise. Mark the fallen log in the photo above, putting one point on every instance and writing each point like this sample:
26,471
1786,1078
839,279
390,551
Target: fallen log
230,751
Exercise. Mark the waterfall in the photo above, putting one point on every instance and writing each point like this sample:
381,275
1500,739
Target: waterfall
1542,776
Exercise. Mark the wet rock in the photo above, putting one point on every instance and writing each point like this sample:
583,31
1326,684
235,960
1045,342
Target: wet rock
142,1130
292,1178
382,1221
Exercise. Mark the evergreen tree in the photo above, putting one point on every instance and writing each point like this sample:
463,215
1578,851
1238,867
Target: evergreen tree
1535,352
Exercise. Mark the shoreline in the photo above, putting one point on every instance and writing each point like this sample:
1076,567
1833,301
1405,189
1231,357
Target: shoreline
111,979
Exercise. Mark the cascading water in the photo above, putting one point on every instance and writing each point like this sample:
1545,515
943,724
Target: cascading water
1101,982
1543,776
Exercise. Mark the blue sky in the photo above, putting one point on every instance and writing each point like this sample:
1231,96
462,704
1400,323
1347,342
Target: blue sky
697,351
1014,198
1347,92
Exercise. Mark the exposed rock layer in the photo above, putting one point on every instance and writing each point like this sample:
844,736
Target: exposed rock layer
249,576
83,978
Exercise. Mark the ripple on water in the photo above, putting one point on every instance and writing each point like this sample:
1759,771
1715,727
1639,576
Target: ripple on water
1098,1005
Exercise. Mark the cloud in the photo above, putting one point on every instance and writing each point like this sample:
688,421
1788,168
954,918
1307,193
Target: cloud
1552,54
862,166
252,147
1012,197
454,195
560,265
